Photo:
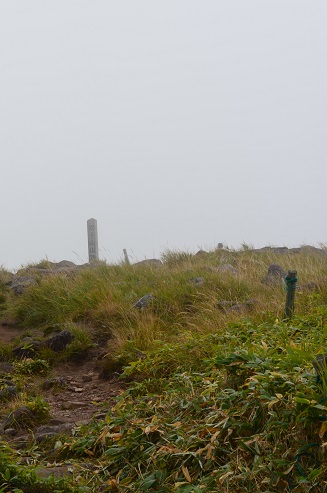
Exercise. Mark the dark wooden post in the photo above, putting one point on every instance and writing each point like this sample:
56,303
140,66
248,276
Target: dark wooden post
291,280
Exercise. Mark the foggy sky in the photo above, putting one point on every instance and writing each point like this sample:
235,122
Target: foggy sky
177,124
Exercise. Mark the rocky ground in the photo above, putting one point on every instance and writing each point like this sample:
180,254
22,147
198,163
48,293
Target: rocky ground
75,392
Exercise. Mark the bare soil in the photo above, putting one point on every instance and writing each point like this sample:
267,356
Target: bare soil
85,392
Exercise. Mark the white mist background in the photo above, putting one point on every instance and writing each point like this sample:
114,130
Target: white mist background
176,124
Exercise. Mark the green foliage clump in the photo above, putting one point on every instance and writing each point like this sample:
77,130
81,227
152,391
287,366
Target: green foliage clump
40,409
247,423
218,400
17,478
29,366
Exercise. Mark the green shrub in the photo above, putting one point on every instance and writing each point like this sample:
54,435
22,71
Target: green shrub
29,366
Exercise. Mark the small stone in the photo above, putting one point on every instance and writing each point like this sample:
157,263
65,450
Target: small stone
227,268
6,367
197,281
201,253
56,422
275,274
144,301
59,341
233,306
320,364
150,262
78,389
9,392
310,286
10,432
55,471
28,349
73,405
54,382
21,283
22,417
44,432
87,378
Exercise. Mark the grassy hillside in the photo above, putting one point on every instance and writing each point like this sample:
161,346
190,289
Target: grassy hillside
221,392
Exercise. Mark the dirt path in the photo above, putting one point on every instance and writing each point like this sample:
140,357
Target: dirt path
84,395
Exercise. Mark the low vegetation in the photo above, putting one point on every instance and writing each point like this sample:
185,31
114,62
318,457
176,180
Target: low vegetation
221,394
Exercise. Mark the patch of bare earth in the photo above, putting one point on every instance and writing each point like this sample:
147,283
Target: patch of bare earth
84,393
9,331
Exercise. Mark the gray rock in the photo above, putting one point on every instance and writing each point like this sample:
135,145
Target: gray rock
310,286
22,417
54,471
87,378
65,263
320,364
28,349
144,301
56,422
275,275
59,341
227,268
21,283
198,281
5,368
312,249
201,253
58,382
8,393
269,249
283,250
10,432
6,381
45,431
100,415
150,262
233,306
73,405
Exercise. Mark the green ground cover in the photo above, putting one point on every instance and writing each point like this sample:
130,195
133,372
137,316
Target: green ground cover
216,400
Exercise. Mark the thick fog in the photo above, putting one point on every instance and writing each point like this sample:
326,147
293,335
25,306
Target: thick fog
177,124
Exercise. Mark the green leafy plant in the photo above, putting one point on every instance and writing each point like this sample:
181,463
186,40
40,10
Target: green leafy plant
29,366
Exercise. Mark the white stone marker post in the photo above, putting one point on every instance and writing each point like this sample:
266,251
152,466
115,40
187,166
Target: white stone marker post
92,237
126,256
